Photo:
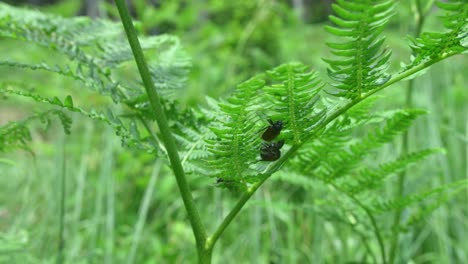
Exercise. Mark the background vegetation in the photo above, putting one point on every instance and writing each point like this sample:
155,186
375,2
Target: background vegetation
121,206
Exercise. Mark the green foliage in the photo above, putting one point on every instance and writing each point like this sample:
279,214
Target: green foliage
130,136
327,148
236,144
96,51
334,156
331,140
295,91
291,95
405,201
346,164
433,46
369,179
362,62
16,135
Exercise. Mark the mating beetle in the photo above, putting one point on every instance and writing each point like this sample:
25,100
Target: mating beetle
273,130
271,151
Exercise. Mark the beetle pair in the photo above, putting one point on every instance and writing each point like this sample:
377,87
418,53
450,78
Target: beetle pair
270,151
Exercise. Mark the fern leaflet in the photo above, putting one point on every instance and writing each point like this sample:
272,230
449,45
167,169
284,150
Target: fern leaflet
363,62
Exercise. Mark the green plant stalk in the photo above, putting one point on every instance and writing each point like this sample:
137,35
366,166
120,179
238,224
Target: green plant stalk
368,212
366,245
109,197
143,212
394,242
374,226
166,135
211,241
63,185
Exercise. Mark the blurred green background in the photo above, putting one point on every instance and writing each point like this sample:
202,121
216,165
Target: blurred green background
229,41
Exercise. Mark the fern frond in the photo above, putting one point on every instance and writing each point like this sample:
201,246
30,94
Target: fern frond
295,92
433,46
423,210
16,135
98,48
89,79
193,151
405,201
128,133
292,96
237,142
369,179
296,179
362,62
347,156
315,154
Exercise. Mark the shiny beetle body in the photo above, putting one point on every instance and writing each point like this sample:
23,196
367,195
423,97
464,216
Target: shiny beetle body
273,130
271,151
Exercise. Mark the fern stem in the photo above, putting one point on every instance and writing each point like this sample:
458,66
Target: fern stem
376,229
211,241
371,218
366,245
166,135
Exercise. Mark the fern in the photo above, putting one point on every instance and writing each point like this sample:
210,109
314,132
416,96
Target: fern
236,145
362,62
369,179
98,48
405,201
340,157
433,46
292,96
333,160
194,152
448,192
322,143
129,136
16,135
295,92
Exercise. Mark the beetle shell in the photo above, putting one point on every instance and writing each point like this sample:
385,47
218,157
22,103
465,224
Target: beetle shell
273,130
271,151
271,155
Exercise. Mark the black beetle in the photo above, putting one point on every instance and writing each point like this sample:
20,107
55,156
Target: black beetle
273,130
271,151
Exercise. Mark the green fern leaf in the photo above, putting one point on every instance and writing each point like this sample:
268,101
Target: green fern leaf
295,93
369,179
362,62
399,203
98,49
426,208
342,157
122,130
237,142
16,135
433,46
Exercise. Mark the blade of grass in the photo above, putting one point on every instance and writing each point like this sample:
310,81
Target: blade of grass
109,199
81,179
143,212
63,184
